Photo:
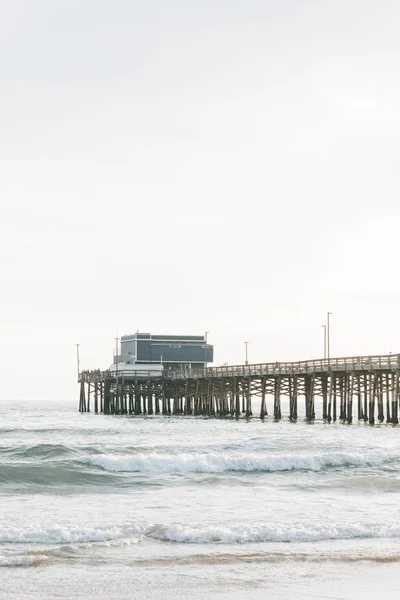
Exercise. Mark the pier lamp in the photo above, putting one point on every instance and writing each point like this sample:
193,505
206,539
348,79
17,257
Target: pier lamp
77,359
328,333
116,353
116,368
247,361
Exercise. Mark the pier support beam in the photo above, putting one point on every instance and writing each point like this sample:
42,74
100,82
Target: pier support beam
249,412
293,384
395,397
324,390
277,399
82,399
381,416
309,397
263,410
359,399
372,395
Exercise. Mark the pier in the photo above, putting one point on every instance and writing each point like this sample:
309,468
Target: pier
368,386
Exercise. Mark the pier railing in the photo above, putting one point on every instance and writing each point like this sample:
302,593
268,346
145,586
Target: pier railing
353,364
98,376
383,362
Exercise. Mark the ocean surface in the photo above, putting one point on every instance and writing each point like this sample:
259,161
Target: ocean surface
108,507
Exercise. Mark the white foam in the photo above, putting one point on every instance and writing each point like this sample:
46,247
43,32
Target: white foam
21,561
265,532
157,463
203,534
68,535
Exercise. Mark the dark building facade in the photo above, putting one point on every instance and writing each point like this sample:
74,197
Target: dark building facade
172,351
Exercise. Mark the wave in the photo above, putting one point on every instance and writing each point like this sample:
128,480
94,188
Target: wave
36,451
87,431
55,465
156,463
70,535
276,556
60,554
21,561
199,534
265,532
58,465
58,473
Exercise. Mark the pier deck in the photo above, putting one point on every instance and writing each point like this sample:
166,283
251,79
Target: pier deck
371,383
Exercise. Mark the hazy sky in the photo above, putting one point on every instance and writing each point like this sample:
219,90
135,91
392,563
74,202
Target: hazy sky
182,166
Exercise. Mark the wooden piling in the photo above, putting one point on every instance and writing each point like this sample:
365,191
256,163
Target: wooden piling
342,413
236,393
372,394
334,398
138,404
277,399
350,393
381,415
324,391
249,412
150,408
243,389
309,397
366,396
101,396
96,397
82,400
359,399
387,389
330,394
293,387
395,397
263,410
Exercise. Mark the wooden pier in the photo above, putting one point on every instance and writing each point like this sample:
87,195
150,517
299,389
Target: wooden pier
366,385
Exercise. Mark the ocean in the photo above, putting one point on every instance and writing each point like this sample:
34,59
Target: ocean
155,507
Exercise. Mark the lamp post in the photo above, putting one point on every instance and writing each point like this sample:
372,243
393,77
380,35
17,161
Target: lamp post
205,349
328,334
247,361
116,371
116,353
77,358
324,327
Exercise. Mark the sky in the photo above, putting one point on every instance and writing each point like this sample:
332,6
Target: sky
229,166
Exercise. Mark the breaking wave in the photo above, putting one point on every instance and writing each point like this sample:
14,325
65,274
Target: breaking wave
21,561
199,534
156,463
50,474
47,465
36,451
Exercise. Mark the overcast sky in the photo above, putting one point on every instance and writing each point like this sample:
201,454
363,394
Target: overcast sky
182,166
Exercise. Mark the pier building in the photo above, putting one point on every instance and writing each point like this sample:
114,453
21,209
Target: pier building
176,353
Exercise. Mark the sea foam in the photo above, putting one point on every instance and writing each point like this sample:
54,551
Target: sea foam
156,463
21,561
243,533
